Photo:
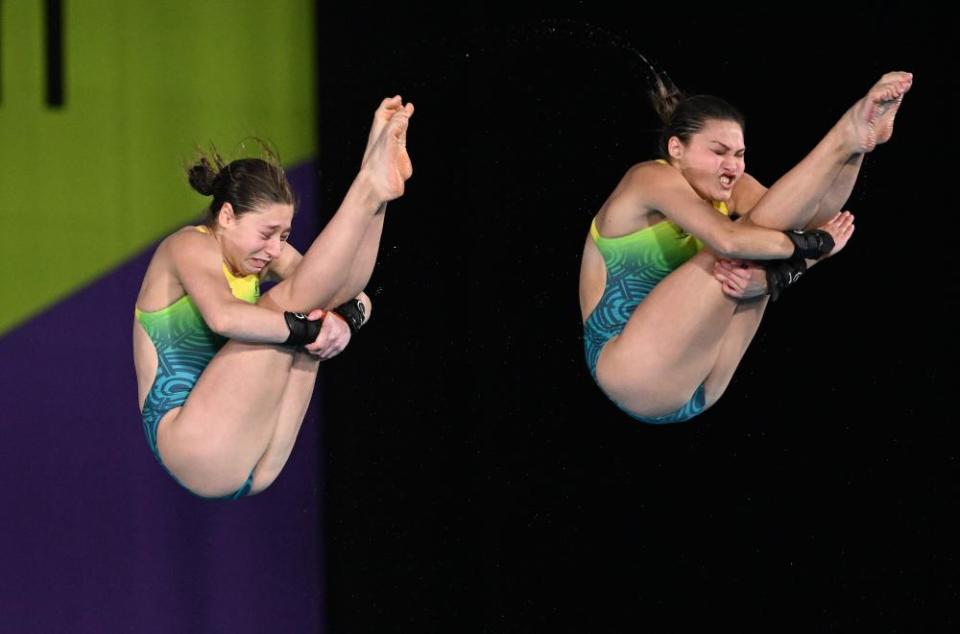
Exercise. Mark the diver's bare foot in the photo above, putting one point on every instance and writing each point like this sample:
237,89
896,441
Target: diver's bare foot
387,166
870,120
388,107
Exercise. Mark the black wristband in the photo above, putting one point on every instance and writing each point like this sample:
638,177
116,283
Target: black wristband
810,244
302,330
783,273
354,313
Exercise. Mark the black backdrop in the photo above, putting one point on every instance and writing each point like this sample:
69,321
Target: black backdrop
478,481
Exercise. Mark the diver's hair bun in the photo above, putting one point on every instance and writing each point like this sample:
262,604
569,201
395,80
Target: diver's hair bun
666,97
203,173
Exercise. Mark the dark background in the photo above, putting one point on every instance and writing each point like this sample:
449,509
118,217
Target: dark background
476,478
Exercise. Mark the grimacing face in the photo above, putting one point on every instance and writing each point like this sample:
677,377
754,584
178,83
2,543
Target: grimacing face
713,159
254,239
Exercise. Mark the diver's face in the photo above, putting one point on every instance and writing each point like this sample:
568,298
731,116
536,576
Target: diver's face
252,240
712,161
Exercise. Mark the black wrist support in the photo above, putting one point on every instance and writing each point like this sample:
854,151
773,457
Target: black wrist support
302,330
353,313
812,244
783,273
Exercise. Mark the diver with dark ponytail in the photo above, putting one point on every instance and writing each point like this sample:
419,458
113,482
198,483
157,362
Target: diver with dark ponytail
224,374
672,291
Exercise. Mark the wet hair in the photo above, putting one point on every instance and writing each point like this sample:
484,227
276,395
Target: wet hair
244,183
684,116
